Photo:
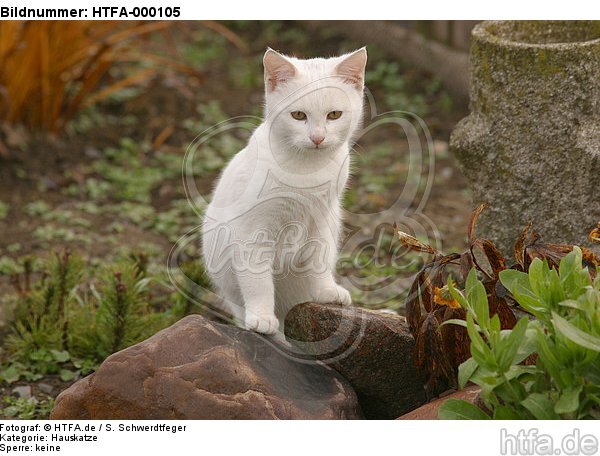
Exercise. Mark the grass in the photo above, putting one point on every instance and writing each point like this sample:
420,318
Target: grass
378,271
394,81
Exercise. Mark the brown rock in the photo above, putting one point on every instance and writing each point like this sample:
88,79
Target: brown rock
371,349
430,410
197,369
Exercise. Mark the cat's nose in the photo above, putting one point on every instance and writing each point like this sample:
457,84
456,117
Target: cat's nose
317,139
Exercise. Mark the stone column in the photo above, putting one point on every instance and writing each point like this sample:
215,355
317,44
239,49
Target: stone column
531,145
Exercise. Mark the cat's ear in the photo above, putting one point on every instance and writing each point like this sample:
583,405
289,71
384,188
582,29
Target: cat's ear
278,69
352,68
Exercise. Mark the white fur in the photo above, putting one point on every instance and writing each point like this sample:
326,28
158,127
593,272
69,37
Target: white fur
270,234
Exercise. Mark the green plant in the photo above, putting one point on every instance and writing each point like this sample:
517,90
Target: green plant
72,318
8,266
185,305
440,349
376,268
40,317
564,339
398,95
76,314
38,207
4,208
122,318
27,408
39,363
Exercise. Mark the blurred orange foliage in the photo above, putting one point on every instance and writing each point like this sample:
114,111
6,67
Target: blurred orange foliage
49,70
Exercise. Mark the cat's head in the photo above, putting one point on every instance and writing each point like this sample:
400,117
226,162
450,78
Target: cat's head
314,104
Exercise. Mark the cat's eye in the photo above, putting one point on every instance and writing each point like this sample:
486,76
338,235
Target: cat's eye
299,115
334,115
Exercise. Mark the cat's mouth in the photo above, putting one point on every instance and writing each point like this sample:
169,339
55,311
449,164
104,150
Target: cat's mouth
319,147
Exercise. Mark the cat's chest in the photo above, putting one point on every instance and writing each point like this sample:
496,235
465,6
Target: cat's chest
313,188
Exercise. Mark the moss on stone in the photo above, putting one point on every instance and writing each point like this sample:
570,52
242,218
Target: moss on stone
534,92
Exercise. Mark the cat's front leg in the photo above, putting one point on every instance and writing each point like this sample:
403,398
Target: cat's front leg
258,294
325,290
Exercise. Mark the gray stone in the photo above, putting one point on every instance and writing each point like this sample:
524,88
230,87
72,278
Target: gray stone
531,145
197,369
45,388
22,391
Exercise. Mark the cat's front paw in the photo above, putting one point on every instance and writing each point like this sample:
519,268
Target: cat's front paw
337,294
264,324
344,296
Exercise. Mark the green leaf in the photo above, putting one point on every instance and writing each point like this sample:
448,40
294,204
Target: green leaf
67,375
545,349
593,375
575,334
517,370
568,401
457,295
572,304
458,409
530,302
10,411
479,349
512,278
527,345
569,268
537,277
32,377
477,297
495,324
556,289
508,347
11,374
471,279
502,412
540,406
459,322
60,356
465,371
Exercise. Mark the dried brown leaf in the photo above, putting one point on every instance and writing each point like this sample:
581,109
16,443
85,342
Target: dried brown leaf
473,221
430,357
595,234
119,85
414,244
455,338
552,253
498,305
508,320
520,246
590,259
466,264
420,299
495,259
412,306
503,293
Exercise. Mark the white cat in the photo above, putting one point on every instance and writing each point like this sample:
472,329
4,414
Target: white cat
270,235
